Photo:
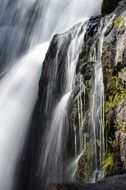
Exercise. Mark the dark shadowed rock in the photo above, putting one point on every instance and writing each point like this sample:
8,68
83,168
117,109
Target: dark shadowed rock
111,183
109,5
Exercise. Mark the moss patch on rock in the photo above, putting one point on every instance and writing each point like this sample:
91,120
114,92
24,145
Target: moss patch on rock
114,69
108,163
84,172
117,21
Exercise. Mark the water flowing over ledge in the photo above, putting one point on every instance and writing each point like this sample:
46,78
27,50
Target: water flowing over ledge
60,135
66,137
25,23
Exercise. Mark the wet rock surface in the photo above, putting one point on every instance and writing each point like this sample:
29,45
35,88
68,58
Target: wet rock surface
120,134
114,73
111,183
114,66
108,7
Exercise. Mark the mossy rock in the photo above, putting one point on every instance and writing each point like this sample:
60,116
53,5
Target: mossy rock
85,165
108,6
117,21
114,73
108,163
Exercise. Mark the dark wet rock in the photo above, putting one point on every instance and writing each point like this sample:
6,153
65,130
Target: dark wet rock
51,89
114,69
120,134
111,183
109,6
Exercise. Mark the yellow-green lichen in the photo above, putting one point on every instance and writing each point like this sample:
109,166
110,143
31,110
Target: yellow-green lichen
115,92
113,100
118,21
108,163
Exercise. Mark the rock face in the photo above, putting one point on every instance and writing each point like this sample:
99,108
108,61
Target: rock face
114,73
114,68
108,7
111,183
82,116
51,89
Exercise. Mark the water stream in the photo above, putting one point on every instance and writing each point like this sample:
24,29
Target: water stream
18,94
55,137
30,23
25,26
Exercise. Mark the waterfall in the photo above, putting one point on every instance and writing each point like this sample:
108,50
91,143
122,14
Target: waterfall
18,94
97,109
55,16
32,22
52,161
25,28
91,140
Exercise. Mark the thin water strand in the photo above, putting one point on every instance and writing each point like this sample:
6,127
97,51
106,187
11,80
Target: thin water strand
98,105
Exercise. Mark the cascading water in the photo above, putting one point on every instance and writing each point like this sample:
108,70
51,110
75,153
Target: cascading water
89,141
57,16
24,24
19,90
97,109
32,22
52,161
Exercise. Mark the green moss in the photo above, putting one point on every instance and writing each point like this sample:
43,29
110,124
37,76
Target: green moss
108,163
85,164
115,92
117,22
114,89
115,97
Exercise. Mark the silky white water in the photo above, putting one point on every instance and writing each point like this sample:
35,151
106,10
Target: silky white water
97,107
18,94
60,15
52,161
89,144
30,22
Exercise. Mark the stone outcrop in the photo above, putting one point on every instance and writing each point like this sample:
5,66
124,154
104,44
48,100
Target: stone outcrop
111,183
114,68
